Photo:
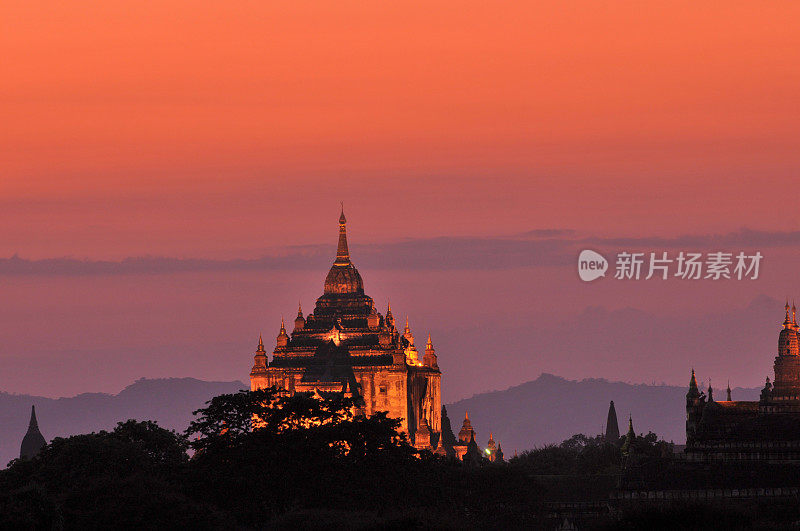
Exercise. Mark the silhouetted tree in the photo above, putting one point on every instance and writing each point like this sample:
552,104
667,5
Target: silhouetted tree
287,447
128,477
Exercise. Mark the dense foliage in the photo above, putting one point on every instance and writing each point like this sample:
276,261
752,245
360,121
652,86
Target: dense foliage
255,460
126,477
258,460
582,455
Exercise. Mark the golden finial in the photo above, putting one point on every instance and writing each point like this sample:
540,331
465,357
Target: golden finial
260,348
342,251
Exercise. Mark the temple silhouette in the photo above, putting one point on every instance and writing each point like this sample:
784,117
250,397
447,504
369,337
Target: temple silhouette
612,426
767,429
346,346
34,441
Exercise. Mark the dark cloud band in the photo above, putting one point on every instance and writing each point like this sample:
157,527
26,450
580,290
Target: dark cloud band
540,248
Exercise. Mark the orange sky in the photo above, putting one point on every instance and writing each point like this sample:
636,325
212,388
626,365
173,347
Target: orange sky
233,129
180,127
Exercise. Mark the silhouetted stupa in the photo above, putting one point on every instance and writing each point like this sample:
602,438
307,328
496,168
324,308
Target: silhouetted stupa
33,442
612,426
630,438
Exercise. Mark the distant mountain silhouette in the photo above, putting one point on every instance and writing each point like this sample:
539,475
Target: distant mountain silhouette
551,409
546,410
169,401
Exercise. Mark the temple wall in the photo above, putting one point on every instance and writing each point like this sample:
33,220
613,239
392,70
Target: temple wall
382,390
434,411
397,398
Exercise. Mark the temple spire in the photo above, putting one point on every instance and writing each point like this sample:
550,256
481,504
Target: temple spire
389,316
33,441
342,252
729,390
630,438
283,337
260,359
33,424
694,392
429,359
440,449
299,309
612,426
408,335
630,426
787,321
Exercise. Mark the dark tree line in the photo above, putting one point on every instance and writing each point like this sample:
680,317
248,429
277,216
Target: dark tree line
255,460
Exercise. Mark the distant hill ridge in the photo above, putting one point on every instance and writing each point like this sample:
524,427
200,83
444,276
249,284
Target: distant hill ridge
551,409
546,410
168,401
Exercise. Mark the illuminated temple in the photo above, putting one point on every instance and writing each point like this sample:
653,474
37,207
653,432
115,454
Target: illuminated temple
767,429
346,346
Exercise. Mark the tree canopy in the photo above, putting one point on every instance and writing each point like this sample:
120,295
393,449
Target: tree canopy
256,459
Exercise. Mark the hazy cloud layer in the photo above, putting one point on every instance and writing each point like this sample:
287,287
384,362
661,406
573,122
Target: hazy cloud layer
542,247
740,239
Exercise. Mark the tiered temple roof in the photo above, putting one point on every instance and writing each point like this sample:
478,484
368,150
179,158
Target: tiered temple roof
345,344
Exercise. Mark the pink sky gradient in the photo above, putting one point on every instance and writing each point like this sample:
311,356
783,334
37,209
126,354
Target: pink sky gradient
182,130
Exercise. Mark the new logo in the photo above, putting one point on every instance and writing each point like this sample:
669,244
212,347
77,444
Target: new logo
591,265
